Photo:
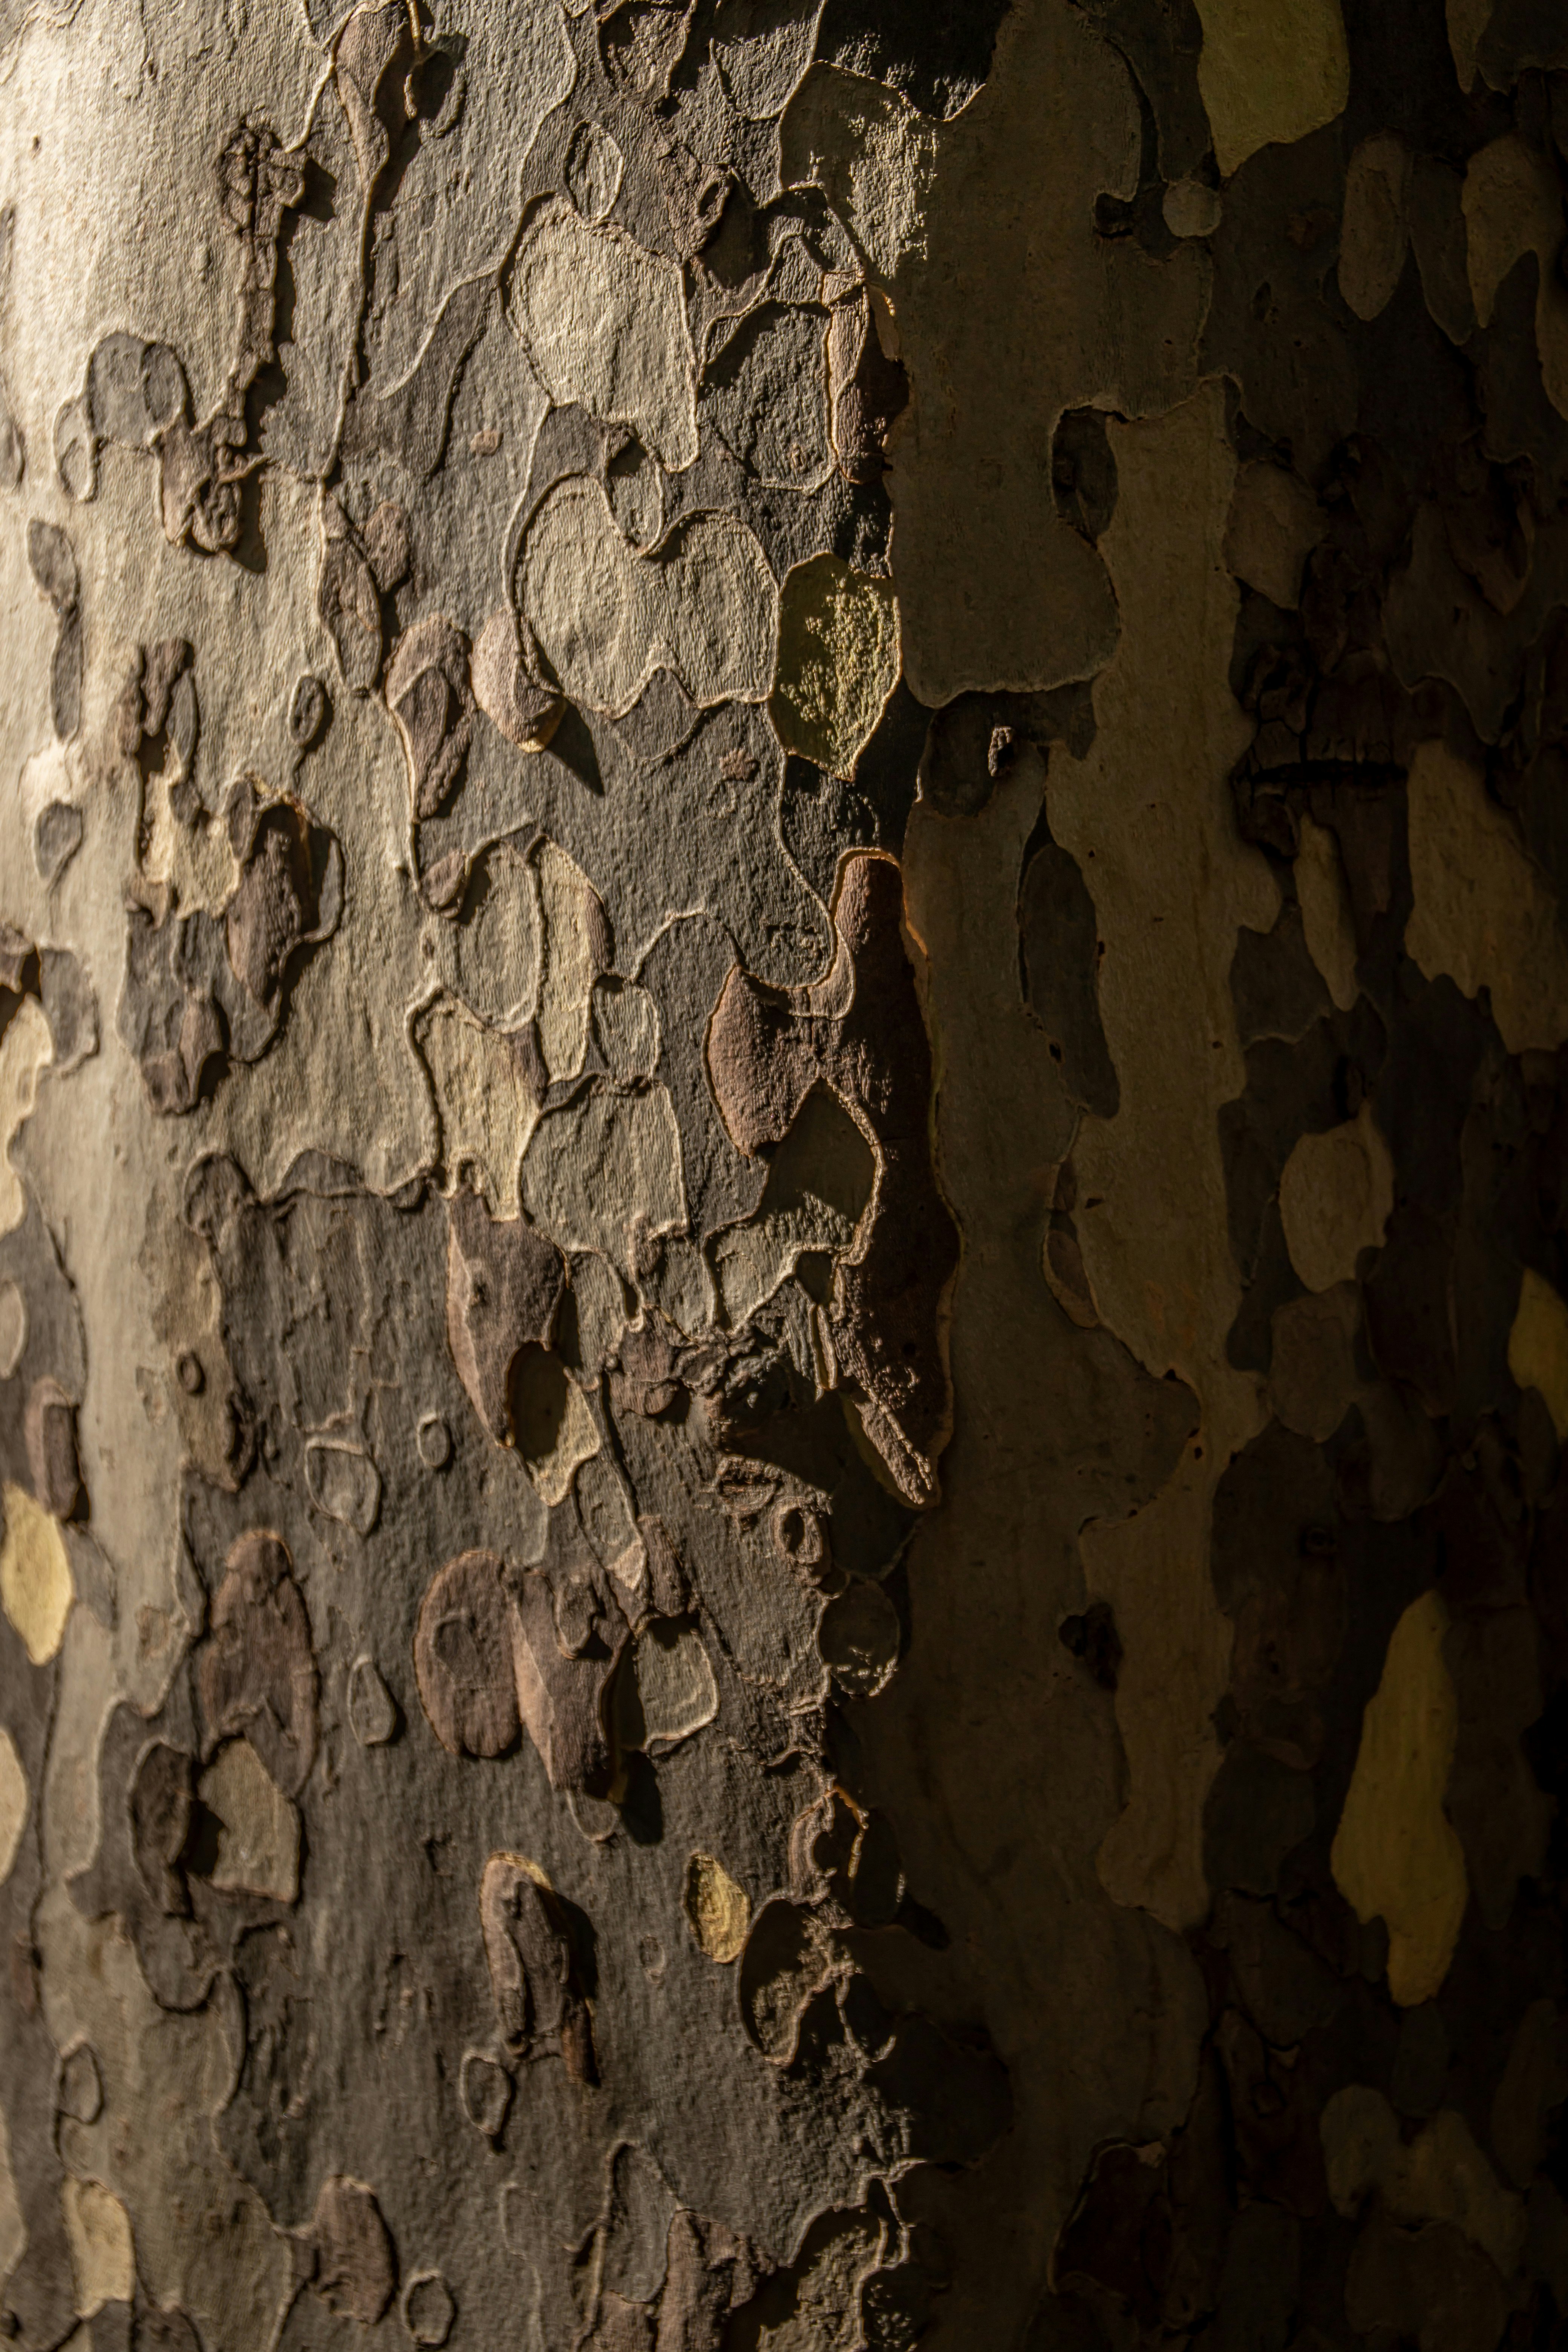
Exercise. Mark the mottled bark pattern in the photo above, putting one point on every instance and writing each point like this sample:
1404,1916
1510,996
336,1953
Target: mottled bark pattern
784,1174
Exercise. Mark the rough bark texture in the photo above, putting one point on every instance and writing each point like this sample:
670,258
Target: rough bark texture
784,1174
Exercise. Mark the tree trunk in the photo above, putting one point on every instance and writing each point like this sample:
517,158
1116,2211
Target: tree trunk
784,1166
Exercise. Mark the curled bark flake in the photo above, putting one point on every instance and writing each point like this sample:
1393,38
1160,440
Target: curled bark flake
357,2262
428,693
858,1030
531,1952
504,1286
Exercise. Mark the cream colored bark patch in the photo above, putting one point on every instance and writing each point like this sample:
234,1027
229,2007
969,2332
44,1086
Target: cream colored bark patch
1484,912
603,324
1326,918
339,1077
676,1689
1270,71
1396,1856
35,1585
568,908
751,1261
195,862
1512,205
873,154
838,662
1374,232
259,1829
759,70
681,1287
833,2264
601,1162
13,1327
1335,1197
1147,817
13,1813
1275,523
626,1023
98,2231
819,1183
553,1427
497,945
24,1050
1440,2176
601,1307
1538,1346
703,605
487,1110
718,1911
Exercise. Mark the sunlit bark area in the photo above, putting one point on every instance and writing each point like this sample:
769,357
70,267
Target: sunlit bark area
784,1175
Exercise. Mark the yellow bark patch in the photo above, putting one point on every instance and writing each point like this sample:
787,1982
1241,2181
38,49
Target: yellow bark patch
98,2230
1271,70
25,1048
1538,1346
1396,1856
838,662
1446,2179
1335,1196
1484,912
35,1586
718,1911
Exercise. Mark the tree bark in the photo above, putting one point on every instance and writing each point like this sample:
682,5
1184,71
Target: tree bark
784,1158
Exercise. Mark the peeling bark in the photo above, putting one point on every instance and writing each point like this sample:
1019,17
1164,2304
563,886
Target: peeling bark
784,1174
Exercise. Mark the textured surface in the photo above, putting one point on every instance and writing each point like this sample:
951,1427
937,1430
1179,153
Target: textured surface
784,1175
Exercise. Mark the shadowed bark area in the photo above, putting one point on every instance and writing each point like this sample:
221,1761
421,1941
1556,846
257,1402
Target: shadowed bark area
784,1175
